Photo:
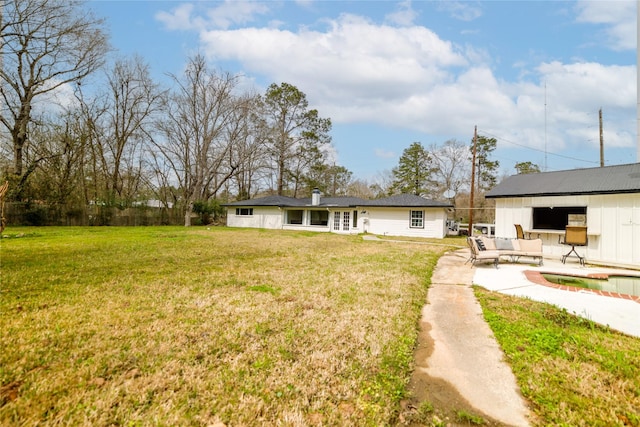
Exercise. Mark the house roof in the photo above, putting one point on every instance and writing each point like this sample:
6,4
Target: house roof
402,200
406,200
603,180
288,202
268,201
336,201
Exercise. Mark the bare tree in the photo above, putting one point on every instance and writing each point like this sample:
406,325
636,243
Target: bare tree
58,179
45,44
382,185
451,166
194,136
92,114
248,150
360,188
134,100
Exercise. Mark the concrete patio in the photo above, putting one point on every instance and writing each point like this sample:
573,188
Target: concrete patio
618,313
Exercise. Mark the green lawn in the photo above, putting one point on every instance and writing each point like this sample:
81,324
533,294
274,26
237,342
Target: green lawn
194,326
573,371
191,326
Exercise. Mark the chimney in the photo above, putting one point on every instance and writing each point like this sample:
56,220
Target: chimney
315,197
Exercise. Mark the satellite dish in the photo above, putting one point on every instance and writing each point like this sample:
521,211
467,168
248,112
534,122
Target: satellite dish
449,194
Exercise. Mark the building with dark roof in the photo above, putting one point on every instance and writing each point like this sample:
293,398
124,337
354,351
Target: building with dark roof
606,200
400,215
619,179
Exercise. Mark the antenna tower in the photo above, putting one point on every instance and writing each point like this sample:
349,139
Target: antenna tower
545,125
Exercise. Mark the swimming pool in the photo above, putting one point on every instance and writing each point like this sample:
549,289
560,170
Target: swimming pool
627,285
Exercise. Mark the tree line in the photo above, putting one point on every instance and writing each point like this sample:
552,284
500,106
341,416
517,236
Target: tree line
78,130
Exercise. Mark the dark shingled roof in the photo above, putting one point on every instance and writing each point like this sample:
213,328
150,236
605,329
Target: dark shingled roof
280,201
406,200
402,200
337,201
605,180
290,202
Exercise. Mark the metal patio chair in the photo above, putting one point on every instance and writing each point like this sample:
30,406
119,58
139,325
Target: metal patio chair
575,235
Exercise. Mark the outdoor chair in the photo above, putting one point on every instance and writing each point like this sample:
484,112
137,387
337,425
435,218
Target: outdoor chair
575,235
519,231
480,253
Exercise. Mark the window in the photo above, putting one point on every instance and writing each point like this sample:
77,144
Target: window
336,221
294,217
346,221
244,211
417,219
355,219
319,217
556,218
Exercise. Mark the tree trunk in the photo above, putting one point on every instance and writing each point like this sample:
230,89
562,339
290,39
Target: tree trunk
187,214
17,160
280,187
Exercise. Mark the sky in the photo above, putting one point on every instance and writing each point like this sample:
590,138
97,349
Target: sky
534,75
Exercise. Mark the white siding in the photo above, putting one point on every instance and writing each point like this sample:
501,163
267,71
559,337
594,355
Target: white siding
397,222
376,220
263,217
613,224
317,228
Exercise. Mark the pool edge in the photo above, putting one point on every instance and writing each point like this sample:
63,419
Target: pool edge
537,277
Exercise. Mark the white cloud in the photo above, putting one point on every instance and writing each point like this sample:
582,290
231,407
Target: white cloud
618,17
561,111
232,12
225,15
56,100
583,86
353,58
356,71
404,16
461,10
179,18
576,92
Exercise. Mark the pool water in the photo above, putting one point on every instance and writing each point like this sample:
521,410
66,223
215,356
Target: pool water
628,285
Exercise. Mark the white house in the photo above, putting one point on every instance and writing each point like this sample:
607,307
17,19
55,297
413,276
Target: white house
606,200
401,215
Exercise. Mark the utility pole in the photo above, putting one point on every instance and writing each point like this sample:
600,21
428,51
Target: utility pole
601,140
473,175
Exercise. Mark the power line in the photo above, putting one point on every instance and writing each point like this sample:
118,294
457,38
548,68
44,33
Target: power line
537,149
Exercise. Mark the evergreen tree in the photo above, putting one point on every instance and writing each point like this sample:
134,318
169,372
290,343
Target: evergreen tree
527,167
486,169
295,133
414,170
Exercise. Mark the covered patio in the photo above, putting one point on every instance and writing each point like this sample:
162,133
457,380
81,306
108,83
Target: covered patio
605,200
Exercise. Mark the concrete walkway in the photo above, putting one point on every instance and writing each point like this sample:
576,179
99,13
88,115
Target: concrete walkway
466,353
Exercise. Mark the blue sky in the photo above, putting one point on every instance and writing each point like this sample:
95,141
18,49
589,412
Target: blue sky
532,74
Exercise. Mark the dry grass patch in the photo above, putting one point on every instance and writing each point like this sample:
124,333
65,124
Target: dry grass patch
180,326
